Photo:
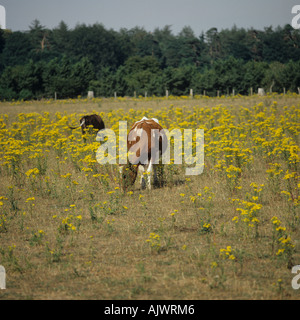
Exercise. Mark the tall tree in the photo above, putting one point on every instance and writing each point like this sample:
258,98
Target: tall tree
214,44
235,42
60,38
17,50
39,35
97,44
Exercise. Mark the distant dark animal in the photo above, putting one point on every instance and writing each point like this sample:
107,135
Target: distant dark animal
92,120
145,147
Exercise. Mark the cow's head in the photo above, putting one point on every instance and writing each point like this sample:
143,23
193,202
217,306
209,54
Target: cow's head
86,122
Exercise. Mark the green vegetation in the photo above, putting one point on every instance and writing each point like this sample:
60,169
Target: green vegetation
35,64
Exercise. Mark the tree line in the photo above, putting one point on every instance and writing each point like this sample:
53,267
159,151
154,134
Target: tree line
39,62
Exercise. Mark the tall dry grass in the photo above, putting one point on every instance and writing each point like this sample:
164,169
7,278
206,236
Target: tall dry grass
67,231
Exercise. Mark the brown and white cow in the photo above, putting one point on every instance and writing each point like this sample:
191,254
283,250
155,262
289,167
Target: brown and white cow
146,142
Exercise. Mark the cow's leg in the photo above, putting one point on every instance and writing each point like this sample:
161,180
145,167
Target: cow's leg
149,173
141,173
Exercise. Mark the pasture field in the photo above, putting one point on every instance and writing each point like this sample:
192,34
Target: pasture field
68,231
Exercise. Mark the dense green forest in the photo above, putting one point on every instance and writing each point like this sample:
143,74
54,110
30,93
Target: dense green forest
35,64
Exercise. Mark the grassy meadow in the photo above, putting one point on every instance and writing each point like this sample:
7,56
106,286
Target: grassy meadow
68,231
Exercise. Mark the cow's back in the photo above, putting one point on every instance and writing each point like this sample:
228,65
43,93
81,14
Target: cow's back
97,122
145,128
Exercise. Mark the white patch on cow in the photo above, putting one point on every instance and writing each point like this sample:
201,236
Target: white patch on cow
82,123
147,119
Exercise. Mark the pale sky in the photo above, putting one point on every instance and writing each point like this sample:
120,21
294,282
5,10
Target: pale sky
200,15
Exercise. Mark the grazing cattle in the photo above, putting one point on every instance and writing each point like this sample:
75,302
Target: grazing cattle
146,142
92,120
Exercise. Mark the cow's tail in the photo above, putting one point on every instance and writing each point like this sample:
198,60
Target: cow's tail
72,128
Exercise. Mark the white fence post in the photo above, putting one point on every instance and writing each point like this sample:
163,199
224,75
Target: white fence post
90,94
